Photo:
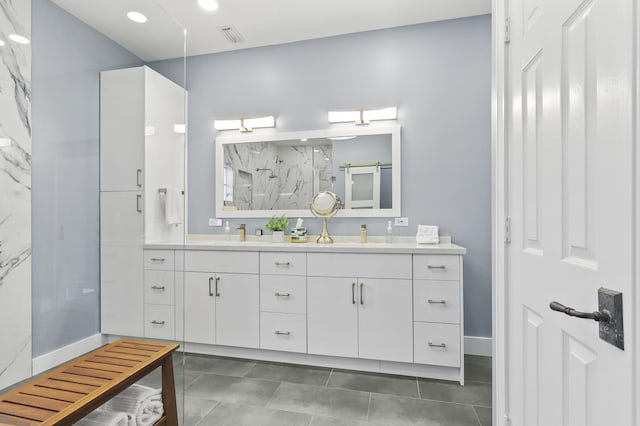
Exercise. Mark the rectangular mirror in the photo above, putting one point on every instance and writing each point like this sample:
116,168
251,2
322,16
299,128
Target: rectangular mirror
260,175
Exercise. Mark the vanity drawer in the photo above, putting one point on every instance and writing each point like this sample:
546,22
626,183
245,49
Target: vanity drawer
159,287
234,262
436,301
436,344
436,267
283,263
159,322
159,259
283,332
284,294
359,265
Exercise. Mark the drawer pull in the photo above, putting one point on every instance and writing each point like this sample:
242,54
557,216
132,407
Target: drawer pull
286,264
217,289
361,298
157,287
441,302
154,322
353,293
283,333
436,267
210,285
157,259
282,294
434,345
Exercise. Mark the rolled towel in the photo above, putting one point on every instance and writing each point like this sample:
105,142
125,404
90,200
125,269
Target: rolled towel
101,417
427,235
142,404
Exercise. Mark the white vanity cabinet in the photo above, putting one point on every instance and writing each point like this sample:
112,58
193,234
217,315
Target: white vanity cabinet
359,305
221,297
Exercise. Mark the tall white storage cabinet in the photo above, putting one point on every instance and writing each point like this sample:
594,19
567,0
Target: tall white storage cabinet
140,153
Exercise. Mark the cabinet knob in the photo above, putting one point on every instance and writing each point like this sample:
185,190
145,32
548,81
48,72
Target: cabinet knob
435,345
283,333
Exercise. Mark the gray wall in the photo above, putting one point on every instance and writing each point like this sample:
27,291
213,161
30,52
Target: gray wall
67,58
437,74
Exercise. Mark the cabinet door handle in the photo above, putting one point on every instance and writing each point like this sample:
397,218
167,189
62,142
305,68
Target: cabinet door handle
283,333
210,286
442,302
353,293
278,294
361,298
154,322
436,267
138,176
138,199
434,345
287,264
157,259
157,287
217,289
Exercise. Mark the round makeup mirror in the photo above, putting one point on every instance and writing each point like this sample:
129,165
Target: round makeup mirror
324,205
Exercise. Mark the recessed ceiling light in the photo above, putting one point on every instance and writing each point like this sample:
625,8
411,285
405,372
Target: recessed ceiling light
19,39
137,17
209,5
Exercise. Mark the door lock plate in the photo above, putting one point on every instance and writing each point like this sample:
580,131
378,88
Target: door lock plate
611,331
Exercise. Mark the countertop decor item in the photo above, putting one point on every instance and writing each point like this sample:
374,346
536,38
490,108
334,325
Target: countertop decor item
277,225
325,204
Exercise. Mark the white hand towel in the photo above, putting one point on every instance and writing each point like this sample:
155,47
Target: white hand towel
427,235
173,206
101,417
142,405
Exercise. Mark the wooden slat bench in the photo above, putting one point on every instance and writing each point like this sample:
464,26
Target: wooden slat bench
70,392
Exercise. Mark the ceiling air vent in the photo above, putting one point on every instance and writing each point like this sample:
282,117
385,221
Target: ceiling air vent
231,34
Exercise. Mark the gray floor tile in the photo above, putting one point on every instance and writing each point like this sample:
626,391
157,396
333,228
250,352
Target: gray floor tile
218,365
317,400
228,414
232,389
473,393
301,374
399,411
377,383
477,368
195,409
485,416
154,379
331,421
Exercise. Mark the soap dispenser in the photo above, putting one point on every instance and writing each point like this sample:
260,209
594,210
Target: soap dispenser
389,237
227,230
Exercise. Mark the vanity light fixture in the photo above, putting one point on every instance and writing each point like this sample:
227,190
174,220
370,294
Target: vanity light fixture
208,5
137,17
363,116
19,39
245,124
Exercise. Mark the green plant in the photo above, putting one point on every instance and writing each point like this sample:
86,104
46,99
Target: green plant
277,223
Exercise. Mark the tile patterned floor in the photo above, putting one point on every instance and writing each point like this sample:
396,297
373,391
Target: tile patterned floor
231,392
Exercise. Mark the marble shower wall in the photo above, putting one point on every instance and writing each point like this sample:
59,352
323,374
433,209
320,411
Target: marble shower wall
15,193
272,176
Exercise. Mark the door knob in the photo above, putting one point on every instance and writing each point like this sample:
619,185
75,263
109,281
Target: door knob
596,316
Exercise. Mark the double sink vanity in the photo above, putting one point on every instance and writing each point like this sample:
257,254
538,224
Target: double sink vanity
393,308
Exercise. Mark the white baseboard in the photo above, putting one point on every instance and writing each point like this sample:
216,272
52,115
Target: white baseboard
478,345
66,353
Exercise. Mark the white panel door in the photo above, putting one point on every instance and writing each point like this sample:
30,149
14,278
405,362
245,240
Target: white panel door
199,307
237,310
332,316
362,187
385,322
121,266
571,171
122,129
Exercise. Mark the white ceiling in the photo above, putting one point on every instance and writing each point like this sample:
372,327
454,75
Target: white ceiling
261,22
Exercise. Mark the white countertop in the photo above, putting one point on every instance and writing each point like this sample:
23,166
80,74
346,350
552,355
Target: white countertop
341,245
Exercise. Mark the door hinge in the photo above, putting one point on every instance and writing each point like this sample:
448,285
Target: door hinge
507,230
507,30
